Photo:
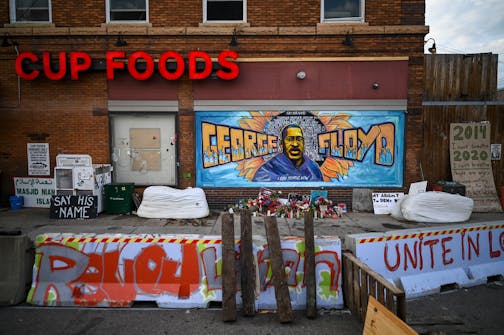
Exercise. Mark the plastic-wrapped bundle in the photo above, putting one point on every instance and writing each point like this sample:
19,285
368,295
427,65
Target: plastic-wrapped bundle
163,202
434,207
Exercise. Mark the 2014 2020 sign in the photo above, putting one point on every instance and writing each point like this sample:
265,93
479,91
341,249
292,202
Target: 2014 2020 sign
466,153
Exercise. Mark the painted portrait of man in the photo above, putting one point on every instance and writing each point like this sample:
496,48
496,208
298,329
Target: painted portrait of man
291,164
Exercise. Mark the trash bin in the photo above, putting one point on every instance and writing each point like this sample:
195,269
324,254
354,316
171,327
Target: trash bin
16,202
118,198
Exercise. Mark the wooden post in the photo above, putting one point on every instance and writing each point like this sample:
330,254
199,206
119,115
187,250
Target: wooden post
248,274
228,269
310,279
278,271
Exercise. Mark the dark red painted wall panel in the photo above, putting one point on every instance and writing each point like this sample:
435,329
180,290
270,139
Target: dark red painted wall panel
277,81
324,81
125,87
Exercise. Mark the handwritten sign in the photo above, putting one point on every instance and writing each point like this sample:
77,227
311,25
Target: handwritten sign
384,202
74,207
471,164
38,159
36,192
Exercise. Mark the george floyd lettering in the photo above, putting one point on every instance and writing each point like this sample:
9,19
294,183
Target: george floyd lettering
77,62
73,207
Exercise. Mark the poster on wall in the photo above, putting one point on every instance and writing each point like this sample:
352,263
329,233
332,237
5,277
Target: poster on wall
495,149
471,164
299,148
38,159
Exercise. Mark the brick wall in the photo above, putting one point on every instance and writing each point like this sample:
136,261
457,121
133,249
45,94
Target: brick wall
72,115
189,13
67,116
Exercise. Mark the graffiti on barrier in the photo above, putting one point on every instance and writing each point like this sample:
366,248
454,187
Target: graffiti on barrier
316,148
471,253
175,272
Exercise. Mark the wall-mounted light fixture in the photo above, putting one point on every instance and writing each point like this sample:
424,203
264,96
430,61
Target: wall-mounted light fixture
8,41
234,40
348,40
121,42
432,49
301,75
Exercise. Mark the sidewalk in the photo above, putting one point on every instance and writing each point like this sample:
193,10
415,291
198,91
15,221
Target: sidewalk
464,310
35,221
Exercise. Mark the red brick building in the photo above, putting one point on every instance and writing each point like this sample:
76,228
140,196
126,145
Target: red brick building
351,68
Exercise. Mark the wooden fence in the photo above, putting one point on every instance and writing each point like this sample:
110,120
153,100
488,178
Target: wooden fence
360,282
458,88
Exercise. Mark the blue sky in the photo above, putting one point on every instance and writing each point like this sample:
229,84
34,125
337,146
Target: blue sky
467,26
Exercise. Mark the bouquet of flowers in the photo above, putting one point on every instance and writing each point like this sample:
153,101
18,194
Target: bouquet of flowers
321,201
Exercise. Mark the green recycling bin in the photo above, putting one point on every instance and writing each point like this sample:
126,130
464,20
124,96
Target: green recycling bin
118,198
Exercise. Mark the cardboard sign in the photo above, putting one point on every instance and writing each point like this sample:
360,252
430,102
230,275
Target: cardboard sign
471,164
384,202
416,188
74,207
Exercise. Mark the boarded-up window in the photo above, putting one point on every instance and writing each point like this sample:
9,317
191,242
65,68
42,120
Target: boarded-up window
145,149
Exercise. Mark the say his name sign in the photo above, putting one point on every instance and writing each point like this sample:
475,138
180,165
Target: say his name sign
74,207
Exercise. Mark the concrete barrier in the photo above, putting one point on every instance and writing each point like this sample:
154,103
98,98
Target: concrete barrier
422,261
174,271
16,263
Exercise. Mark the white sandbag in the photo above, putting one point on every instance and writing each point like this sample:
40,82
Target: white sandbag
396,211
437,207
163,202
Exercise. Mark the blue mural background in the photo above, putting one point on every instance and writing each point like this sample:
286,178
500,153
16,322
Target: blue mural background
365,173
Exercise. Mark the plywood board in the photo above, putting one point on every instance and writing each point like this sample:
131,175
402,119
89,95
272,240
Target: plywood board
381,321
146,160
145,138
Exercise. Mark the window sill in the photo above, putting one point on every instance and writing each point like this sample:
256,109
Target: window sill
339,23
224,24
140,28
125,24
29,25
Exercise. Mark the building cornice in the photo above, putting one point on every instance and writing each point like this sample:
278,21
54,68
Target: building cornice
320,29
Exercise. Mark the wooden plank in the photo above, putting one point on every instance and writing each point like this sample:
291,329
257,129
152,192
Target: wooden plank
347,281
364,293
310,279
278,271
380,293
248,274
356,294
228,269
390,300
380,321
372,286
401,306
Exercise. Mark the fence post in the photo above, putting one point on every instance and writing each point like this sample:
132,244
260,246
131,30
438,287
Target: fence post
248,274
311,285
228,269
278,271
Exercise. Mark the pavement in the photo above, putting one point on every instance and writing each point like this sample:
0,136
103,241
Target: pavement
35,221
